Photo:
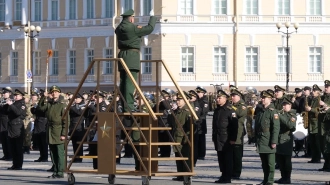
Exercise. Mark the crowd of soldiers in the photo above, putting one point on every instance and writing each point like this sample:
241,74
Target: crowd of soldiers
268,118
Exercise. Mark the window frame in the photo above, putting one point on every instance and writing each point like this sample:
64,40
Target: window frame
3,11
309,12
110,63
220,11
87,61
284,54
52,66
283,7
146,67
258,58
321,59
226,60
69,62
123,3
249,13
194,60
36,63
181,8
52,12
88,8
12,62
69,10
105,9
142,12
20,11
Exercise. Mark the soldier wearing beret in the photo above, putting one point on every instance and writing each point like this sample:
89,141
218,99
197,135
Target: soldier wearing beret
183,118
56,128
129,39
16,114
267,126
204,105
76,110
314,133
285,141
241,112
5,141
324,124
224,135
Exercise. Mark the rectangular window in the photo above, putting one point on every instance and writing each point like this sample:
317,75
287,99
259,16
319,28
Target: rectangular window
90,9
89,58
108,65
146,7
54,10
37,10
251,60
2,10
281,60
315,59
128,4
55,63
18,10
72,62
147,55
36,62
315,7
14,64
187,7
283,7
187,60
220,60
220,7
252,7
109,8
72,9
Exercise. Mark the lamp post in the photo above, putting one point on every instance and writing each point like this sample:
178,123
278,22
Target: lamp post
287,34
29,32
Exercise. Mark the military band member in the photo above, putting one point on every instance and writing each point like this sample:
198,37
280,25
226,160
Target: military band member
56,128
5,141
313,129
324,123
183,117
267,126
27,125
204,105
198,126
296,99
76,110
224,135
241,111
16,114
285,141
279,95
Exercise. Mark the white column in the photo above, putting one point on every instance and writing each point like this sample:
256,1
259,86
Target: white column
25,10
9,13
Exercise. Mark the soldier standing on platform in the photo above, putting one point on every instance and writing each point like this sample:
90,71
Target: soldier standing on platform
56,129
241,111
129,41
324,124
204,105
16,114
224,135
285,141
313,129
6,146
267,126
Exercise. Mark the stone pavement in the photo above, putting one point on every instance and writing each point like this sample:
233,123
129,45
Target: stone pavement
207,170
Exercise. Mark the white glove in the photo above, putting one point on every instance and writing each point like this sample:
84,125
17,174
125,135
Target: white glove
152,12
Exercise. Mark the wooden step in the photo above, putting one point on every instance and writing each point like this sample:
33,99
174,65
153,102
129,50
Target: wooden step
87,156
147,128
165,158
166,144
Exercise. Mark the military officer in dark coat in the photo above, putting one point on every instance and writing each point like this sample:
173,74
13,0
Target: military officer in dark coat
285,141
16,114
324,124
241,112
6,146
129,41
56,128
267,126
296,99
224,135
204,105
76,110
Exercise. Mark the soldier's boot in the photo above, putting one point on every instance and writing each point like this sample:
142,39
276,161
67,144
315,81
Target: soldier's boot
26,150
279,181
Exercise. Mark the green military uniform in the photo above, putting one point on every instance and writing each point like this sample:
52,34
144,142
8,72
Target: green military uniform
27,128
285,143
241,112
56,128
313,130
183,117
249,123
278,102
267,127
324,124
129,41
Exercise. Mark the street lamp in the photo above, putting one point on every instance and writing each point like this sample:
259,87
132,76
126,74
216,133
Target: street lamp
287,34
29,32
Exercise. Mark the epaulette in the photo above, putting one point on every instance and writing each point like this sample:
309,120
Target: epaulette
186,110
271,108
242,103
230,107
292,114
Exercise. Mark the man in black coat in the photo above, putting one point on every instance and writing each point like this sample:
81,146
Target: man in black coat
224,135
16,114
6,146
